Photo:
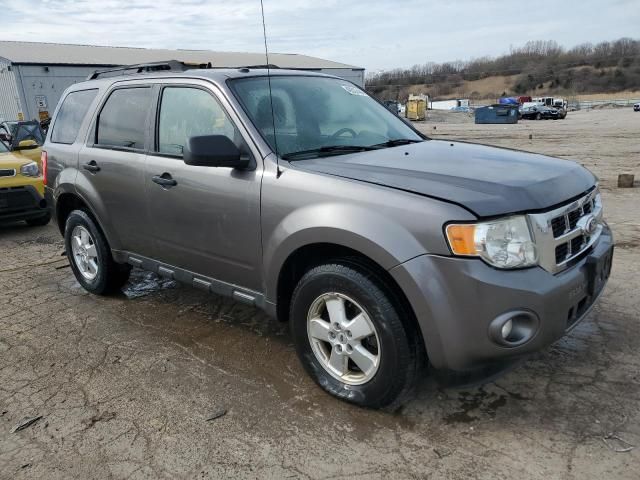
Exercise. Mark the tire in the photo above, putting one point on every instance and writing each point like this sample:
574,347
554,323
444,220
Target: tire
92,263
399,351
39,221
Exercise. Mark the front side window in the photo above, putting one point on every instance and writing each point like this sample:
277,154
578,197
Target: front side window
189,112
314,114
72,112
122,121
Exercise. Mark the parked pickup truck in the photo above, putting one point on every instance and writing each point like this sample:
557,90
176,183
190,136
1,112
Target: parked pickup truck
381,247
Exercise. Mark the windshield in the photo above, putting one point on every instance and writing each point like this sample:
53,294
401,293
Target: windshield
316,115
3,147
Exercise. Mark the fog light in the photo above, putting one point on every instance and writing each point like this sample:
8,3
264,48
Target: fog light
506,329
515,328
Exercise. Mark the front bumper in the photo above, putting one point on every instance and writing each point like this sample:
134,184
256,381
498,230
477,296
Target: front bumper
456,299
21,203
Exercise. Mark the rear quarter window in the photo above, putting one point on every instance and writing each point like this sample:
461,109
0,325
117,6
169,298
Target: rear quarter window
72,112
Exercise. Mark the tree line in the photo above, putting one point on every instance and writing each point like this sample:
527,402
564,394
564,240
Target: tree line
537,65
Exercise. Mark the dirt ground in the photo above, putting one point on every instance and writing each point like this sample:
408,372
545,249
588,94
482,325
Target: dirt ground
125,385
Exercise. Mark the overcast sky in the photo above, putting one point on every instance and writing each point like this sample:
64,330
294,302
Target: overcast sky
375,34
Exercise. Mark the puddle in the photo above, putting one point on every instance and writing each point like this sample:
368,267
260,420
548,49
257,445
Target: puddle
143,283
475,405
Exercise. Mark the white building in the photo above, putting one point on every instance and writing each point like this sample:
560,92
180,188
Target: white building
33,75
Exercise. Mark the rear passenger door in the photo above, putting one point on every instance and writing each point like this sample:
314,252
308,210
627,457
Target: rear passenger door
111,167
208,221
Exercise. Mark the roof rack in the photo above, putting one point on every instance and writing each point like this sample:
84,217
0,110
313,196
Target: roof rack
170,65
256,67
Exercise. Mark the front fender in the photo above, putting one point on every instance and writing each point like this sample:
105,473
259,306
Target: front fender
383,240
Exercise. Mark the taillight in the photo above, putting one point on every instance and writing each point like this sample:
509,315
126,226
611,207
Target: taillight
43,162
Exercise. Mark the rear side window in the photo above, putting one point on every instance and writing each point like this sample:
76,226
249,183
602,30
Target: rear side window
72,112
122,121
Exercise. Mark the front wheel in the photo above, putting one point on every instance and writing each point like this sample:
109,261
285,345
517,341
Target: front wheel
352,337
90,256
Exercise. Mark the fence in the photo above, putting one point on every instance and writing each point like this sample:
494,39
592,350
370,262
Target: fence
577,104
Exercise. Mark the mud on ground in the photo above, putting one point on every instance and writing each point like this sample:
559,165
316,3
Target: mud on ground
125,385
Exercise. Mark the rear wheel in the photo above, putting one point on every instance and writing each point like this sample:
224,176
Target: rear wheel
90,256
352,337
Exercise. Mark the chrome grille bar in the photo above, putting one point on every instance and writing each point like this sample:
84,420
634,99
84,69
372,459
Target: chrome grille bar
549,246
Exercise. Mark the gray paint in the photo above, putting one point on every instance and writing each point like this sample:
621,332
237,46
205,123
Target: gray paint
488,181
456,299
241,226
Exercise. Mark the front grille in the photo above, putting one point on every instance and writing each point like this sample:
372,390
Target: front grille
576,243
559,226
573,218
16,198
559,233
7,172
562,251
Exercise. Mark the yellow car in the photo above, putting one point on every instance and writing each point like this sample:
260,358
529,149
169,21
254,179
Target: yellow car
22,185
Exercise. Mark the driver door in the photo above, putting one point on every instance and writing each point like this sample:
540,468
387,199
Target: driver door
208,220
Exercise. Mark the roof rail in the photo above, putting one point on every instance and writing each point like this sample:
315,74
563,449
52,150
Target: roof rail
256,67
169,65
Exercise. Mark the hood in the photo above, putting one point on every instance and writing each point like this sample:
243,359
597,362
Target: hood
17,158
9,160
486,180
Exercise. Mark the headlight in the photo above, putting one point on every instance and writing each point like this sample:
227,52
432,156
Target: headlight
504,243
30,169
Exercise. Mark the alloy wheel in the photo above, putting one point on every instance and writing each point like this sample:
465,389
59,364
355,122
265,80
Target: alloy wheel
343,338
85,254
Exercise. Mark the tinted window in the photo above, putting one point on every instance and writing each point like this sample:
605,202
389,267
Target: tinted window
70,116
122,120
189,112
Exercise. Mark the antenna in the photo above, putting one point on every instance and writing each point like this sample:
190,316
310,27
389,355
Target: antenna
273,116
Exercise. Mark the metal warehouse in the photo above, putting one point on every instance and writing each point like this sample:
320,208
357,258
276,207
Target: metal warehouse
34,75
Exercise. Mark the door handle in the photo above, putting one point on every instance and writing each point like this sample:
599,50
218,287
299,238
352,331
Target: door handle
165,180
92,166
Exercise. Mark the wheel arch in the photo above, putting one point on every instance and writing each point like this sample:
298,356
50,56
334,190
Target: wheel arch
311,255
67,202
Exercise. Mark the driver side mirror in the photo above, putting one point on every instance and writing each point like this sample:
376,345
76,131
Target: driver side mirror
27,145
5,137
214,151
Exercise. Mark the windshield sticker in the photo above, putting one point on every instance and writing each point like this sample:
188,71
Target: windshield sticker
354,91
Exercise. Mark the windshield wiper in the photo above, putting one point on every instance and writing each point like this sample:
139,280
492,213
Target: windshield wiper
330,150
396,142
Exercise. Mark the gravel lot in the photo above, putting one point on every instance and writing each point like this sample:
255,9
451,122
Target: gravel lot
125,385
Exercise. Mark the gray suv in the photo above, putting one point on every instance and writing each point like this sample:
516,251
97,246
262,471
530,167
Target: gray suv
301,195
